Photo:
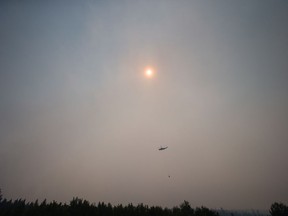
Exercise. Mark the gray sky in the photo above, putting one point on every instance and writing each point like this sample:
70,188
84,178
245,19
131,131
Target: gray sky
79,118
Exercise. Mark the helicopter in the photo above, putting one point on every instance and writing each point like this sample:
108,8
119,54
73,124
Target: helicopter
162,148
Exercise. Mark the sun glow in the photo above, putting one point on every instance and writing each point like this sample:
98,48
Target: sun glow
149,73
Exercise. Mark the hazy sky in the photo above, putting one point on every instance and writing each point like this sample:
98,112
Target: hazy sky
79,118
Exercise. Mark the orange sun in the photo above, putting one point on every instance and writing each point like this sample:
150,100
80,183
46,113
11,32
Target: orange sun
149,73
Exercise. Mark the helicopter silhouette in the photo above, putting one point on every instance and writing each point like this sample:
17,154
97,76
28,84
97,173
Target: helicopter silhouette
162,148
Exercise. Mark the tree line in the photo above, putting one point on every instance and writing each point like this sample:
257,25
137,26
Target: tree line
81,207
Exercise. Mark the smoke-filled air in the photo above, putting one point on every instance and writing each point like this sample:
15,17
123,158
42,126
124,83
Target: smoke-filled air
133,102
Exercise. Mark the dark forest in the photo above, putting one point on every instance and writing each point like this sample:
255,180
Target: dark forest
83,207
